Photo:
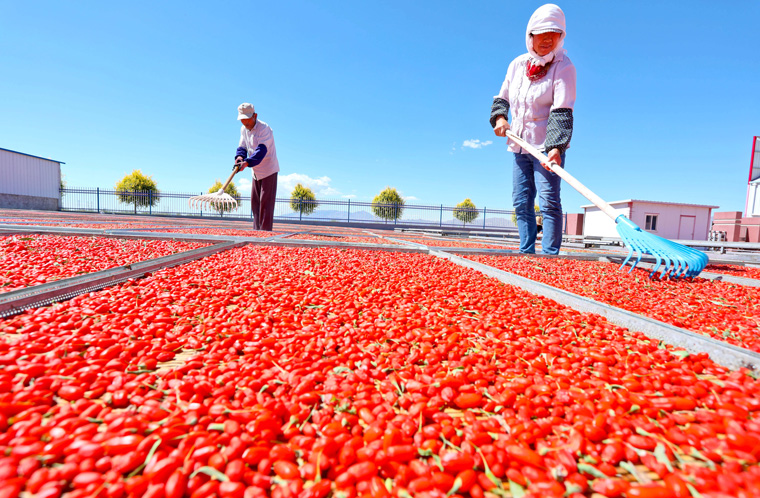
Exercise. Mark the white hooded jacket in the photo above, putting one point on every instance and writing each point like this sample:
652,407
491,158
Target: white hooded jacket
531,101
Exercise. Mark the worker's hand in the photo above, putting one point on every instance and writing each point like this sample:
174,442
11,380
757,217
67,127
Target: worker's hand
502,125
240,163
554,157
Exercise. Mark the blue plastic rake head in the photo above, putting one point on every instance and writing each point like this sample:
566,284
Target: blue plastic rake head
676,260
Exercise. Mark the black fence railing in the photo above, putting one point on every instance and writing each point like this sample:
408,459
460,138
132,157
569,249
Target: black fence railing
287,210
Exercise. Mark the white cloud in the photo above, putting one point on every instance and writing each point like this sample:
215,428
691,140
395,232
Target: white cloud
244,186
411,198
349,196
320,186
476,144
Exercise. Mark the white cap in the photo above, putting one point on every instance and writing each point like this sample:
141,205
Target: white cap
245,111
545,30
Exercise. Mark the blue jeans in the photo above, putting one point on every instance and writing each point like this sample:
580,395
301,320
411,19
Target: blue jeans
529,177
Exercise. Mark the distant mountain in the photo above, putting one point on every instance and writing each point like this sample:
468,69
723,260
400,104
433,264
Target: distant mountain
342,216
332,215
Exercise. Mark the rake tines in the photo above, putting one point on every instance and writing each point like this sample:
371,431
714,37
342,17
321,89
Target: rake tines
218,200
675,259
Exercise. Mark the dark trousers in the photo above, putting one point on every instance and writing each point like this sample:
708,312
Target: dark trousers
263,195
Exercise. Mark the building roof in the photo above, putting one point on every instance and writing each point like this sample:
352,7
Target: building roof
37,157
629,201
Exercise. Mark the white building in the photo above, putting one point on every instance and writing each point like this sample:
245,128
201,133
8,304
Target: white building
29,182
669,220
752,207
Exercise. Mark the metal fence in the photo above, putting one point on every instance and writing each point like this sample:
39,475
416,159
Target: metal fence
286,210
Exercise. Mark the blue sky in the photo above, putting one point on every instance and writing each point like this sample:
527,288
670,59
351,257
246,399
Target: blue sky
364,95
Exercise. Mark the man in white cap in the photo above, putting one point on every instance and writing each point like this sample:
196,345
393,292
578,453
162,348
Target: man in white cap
256,150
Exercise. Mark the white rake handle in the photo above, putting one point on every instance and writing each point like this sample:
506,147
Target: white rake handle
595,199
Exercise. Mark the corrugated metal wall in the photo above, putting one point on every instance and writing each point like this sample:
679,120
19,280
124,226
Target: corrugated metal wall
753,200
26,175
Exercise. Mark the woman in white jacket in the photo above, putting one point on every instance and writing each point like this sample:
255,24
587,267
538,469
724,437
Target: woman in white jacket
539,90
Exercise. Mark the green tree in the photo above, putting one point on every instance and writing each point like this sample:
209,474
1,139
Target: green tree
231,190
388,204
138,190
539,219
466,212
302,200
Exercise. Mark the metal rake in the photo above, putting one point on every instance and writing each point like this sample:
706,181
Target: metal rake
676,260
219,199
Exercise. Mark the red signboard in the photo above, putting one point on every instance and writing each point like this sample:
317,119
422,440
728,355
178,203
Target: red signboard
754,163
